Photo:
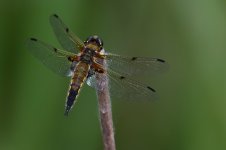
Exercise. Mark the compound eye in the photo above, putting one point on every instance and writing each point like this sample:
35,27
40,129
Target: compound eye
95,39
89,39
100,42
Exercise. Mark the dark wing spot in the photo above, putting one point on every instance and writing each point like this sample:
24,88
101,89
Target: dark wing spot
69,58
161,60
151,89
134,58
122,77
67,30
55,15
33,39
55,50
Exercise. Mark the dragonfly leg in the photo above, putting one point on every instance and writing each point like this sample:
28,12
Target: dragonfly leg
98,68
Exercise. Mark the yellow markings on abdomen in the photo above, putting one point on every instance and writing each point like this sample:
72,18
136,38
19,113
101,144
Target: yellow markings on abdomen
77,81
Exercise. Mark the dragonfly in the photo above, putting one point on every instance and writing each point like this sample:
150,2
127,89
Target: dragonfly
83,62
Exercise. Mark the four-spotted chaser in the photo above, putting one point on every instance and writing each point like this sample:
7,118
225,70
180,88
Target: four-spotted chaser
85,65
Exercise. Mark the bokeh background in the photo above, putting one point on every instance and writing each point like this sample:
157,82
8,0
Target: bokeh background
190,113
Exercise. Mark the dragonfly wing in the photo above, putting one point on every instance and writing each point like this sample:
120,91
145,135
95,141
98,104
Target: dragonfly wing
123,87
68,40
53,58
135,66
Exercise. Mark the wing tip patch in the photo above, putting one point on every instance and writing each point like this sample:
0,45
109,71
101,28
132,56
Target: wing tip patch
33,39
161,60
134,58
67,30
55,15
153,90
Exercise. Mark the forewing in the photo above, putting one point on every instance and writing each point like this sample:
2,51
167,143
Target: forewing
53,58
68,40
135,66
123,87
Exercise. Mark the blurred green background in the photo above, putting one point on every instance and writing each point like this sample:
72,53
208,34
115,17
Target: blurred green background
190,113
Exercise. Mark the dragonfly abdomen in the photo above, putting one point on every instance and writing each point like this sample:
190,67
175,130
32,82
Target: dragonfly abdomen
77,81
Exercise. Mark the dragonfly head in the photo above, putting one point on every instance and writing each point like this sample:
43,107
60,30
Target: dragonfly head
94,41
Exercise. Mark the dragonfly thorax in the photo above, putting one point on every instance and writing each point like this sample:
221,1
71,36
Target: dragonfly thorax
87,55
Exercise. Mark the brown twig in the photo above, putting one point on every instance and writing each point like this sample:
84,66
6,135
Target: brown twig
105,112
